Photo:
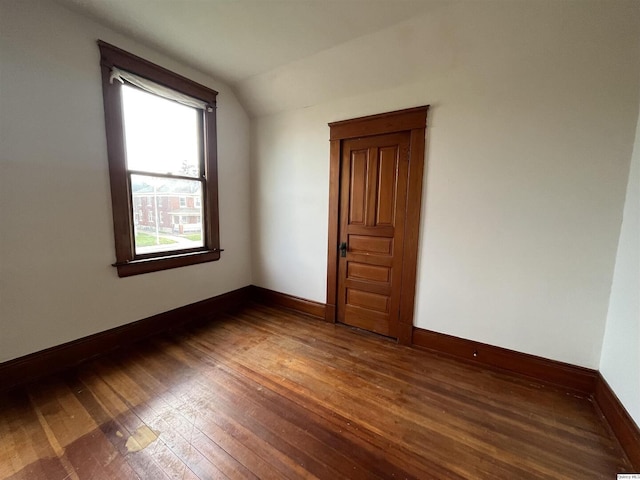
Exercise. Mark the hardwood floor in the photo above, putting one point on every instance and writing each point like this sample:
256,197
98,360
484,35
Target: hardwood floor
267,393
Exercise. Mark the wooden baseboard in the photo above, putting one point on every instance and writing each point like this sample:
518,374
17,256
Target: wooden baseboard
623,426
46,362
572,377
271,297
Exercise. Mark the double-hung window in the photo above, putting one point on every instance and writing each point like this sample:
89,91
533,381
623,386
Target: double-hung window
161,144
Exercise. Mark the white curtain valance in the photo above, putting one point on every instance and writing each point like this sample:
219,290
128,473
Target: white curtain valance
157,89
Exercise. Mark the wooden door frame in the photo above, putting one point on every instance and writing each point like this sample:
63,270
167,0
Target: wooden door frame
413,120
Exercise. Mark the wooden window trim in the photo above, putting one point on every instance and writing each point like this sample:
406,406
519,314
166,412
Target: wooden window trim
127,262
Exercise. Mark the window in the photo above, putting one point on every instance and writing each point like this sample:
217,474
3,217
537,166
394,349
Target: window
161,142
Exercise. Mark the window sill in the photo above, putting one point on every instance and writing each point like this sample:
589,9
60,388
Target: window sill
156,264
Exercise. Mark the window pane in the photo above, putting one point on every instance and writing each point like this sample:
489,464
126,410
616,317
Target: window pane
161,136
167,214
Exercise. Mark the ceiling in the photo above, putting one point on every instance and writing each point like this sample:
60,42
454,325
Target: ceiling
234,40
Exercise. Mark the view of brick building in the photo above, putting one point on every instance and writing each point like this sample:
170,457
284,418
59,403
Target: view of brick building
173,207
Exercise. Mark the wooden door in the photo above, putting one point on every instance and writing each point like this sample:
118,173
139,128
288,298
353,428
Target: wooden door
373,195
374,214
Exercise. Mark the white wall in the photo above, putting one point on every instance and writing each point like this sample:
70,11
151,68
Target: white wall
534,106
56,282
620,362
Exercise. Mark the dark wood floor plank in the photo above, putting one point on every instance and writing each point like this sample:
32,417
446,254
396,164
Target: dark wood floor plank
103,398
280,416
285,409
174,452
417,372
357,434
429,440
425,446
71,430
225,412
419,375
558,455
370,403
484,413
329,389
26,451
268,393
142,371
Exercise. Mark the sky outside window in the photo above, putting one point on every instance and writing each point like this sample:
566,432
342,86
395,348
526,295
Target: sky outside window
161,136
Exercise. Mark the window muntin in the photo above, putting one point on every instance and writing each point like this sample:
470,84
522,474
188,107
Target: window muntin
149,161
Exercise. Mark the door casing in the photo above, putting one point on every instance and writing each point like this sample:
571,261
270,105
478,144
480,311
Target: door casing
414,121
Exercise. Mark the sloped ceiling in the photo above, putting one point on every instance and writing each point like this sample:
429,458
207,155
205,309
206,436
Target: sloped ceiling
237,40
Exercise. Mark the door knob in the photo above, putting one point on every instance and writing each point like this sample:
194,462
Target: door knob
343,249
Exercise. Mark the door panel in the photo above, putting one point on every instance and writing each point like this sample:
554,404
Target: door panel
386,186
368,272
368,300
358,199
372,214
368,320
369,244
